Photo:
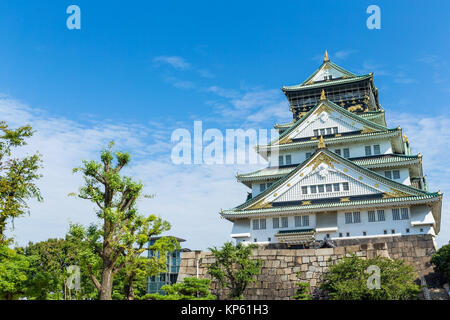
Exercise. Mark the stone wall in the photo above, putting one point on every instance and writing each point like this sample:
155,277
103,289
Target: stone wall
280,267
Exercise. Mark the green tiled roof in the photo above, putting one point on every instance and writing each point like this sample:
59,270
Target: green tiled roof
236,212
295,231
326,83
334,140
367,162
363,170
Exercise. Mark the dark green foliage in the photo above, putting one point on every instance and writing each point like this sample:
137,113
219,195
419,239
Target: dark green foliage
441,261
302,292
348,280
17,176
190,289
234,269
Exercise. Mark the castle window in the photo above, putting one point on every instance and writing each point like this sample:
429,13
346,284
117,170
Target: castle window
329,188
385,231
329,131
288,159
395,214
298,221
336,186
335,130
356,217
392,231
380,214
364,233
255,224
262,224
346,153
407,230
262,187
316,132
321,188
313,189
368,150
388,174
371,216
255,240
269,239
348,217
280,160
284,222
405,214
345,186
330,77
275,223
322,132
348,234
376,149
337,151
340,234
396,174
304,190
305,220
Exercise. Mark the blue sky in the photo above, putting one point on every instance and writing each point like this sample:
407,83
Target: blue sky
138,70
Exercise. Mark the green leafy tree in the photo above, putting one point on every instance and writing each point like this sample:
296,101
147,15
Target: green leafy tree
302,292
17,175
234,268
441,261
190,289
119,239
14,268
348,280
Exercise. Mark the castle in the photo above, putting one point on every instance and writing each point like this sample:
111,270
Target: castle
336,172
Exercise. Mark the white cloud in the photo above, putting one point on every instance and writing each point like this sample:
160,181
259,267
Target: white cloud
176,62
429,136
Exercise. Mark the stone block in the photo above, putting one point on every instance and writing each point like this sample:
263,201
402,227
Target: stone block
324,251
305,259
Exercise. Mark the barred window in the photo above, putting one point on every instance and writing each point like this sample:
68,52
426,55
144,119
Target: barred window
348,217
335,130
255,224
336,186
356,217
380,214
316,132
337,151
288,159
322,132
262,187
304,190
284,222
328,130
305,221
262,224
329,188
396,174
313,189
321,188
368,150
346,153
395,214
376,149
371,216
275,223
298,221
345,186
405,215
388,174
280,160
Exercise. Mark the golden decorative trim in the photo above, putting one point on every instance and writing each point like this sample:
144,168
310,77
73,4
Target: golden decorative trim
321,144
360,178
285,140
260,205
376,185
338,135
325,57
395,194
313,138
322,158
322,95
323,107
301,174
305,203
345,170
355,108
345,200
288,184
367,130
275,194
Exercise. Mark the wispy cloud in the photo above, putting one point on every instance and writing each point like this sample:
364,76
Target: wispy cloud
176,62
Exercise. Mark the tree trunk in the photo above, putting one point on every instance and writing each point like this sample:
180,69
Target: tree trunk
129,290
105,292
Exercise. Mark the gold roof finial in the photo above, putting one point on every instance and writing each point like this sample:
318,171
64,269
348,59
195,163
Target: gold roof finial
321,144
325,58
322,95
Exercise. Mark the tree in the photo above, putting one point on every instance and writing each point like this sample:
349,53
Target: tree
17,176
13,273
234,269
119,238
302,292
441,261
349,279
190,289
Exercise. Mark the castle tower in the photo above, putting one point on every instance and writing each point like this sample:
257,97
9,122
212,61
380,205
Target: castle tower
336,171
